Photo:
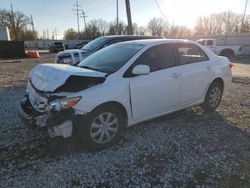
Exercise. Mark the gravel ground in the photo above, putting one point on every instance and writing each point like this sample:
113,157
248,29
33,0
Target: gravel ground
184,149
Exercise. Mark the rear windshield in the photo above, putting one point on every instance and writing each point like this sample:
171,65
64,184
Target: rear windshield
94,44
58,43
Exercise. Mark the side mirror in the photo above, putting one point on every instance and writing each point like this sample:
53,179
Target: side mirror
141,70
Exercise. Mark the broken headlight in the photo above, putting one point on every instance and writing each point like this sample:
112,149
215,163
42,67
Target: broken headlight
63,104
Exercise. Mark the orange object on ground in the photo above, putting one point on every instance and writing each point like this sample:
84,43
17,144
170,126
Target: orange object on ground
33,54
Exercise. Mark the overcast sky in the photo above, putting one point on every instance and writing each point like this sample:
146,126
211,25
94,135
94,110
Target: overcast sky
51,14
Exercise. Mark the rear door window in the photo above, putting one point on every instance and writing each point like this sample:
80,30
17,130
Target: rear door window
190,53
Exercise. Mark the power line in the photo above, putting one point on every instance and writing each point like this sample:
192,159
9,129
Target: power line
161,11
97,5
86,2
52,15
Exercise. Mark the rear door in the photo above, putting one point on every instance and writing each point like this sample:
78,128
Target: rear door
159,91
195,71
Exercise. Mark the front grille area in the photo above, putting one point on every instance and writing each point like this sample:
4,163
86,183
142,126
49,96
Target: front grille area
37,101
60,58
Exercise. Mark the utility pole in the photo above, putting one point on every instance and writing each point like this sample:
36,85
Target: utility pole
47,34
12,12
244,15
85,25
77,15
44,34
14,24
32,23
117,18
130,31
55,34
33,28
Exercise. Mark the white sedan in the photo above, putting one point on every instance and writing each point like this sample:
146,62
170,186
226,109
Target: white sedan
121,85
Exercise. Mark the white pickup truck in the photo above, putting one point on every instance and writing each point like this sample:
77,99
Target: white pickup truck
228,51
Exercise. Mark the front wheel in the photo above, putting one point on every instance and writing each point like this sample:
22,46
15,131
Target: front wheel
102,128
213,97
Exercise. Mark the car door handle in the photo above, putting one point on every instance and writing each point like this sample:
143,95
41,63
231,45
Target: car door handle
176,75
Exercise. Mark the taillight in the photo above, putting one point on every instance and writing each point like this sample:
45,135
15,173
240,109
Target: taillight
230,65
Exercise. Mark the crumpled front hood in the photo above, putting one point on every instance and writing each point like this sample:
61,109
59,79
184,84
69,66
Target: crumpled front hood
48,77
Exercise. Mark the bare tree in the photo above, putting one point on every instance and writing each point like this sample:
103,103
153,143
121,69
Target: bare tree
15,21
70,34
220,23
179,32
27,34
157,26
93,30
122,28
102,26
139,30
245,28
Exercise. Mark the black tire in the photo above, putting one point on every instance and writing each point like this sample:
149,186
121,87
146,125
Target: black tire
86,127
213,96
227,53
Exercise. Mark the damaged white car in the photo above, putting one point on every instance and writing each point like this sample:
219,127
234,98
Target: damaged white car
121,85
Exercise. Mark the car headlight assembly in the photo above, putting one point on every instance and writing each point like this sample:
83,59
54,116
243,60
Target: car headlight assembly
67,61
63,104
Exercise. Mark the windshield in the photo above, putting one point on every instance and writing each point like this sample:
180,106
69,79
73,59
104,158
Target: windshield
94,44
112,58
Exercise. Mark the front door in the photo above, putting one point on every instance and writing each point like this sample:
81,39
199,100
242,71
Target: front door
160,90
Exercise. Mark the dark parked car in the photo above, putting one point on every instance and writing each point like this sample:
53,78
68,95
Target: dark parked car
56,47
73,57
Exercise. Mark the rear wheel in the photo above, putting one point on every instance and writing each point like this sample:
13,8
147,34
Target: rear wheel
227,53
102,128
213,96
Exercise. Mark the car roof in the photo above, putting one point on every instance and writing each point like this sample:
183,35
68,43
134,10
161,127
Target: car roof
132,37
149,42
206,39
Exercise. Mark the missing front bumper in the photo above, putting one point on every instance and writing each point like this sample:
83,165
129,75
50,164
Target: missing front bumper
58,123
25,112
